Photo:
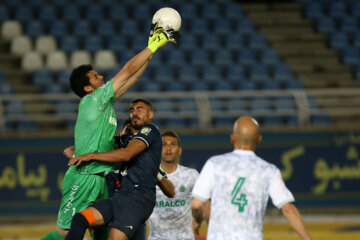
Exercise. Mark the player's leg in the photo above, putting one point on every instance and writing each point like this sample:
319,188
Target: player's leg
89,217
140,233
116,234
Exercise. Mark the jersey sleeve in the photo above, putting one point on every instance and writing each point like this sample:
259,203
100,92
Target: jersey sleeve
279,193
148,134
104,95
205,182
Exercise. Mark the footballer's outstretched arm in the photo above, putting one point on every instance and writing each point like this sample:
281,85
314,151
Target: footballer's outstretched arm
135,147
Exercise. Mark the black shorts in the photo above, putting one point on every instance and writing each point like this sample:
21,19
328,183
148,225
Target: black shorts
125,211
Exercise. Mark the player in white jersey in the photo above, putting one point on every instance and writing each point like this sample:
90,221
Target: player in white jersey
239,184
171,218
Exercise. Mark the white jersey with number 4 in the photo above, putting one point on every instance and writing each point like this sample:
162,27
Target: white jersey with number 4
171,218
239,184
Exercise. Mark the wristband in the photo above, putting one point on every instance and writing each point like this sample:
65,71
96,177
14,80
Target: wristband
159,176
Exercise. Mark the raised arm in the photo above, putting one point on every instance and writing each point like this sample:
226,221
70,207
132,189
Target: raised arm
135,147
166,186
293,216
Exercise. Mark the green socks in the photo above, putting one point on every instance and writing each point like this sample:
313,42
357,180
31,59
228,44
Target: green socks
55,235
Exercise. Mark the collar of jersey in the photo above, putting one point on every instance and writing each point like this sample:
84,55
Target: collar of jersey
240,151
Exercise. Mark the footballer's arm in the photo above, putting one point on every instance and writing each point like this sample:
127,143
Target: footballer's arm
135,147
69,151
166,186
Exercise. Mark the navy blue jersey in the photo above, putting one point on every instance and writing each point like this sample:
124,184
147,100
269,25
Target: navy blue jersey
140,172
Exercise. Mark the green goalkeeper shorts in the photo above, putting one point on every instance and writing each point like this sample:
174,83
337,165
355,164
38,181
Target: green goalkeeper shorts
78,192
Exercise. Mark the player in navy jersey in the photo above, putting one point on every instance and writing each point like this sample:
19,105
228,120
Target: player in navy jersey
134,200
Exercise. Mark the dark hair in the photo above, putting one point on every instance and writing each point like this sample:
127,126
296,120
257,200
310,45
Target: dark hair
147,102
172,134
79,79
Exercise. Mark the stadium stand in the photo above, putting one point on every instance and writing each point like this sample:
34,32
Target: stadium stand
290,47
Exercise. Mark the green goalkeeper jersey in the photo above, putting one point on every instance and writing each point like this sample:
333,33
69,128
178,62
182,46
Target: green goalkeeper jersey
95,128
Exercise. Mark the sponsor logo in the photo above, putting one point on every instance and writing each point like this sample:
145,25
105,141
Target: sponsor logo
145,131
182,188
177,203
112,121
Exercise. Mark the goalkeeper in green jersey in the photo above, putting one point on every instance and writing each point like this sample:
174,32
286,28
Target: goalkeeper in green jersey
95,128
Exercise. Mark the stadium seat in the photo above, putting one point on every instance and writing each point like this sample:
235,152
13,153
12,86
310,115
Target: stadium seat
211,11
104,60
4,14
58,29
199,58
186,105
349,25
247,85
233,11
69,44
117,43
42,77
283,73
259,73
326,25
47,13
351,56
10,29
211,74
21,45
223,58
34,29
356,40
222,86
189,42
27,125
164,105
285,103
57,60
94,12
234,42
129,27
211,42
294,85
245,26
176,58
273,121
188,11
271,85
163,75
82,28
32,61
105,28
237,104
339,41
45,44
93,44
247,57
118,12
63,77
142,12
15,107
321,119
137,44
6,89
199,26
257,42
235,73
188,74
53,89
71,13
65,108
24,13
151,87
175,122
269,57
336,9
217,104
199,86
314,10
175,86
260,104
355,8
79,57
223,121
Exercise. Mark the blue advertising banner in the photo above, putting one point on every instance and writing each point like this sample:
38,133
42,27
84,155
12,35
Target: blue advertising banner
320,169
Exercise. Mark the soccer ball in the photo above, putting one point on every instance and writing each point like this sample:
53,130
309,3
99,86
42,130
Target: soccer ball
168,18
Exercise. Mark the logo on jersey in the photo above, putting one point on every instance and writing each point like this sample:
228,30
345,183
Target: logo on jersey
112,121
182,188
145,131
177,203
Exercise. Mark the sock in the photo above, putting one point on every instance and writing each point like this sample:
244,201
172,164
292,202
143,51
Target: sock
55,235
100,234
78,227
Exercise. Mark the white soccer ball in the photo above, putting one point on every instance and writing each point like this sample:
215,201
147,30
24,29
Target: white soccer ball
168,18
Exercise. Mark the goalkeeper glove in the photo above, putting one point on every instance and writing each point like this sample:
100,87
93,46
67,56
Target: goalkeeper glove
160,38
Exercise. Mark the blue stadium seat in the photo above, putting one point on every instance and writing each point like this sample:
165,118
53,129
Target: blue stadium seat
189,42
270,57
217,104
285,103
118,13
247,57
142,11
212,74
223,121
24,14
199,57
176,58
175,122
283,73
53,88
185,105
6,89
15,107
337,9
105,28
349,25
199,86
63,77
48,13
247,85
326,25
211,42
237,104
294,85
273,121
259,73
175,86
322,119
188,11
69,43
257,42
93,43
245,26
129,27
151,87
199,26
82,28
65,107
58,28
351,56
42,77
222,86
34,29
235,73
260,104
27,125
314,10
223,27
233,11
223,58
138,44
234,42
188,74
356,40
162,104
355,8
71,13
163,75
4,14
211,11
271,85
117,43
94,12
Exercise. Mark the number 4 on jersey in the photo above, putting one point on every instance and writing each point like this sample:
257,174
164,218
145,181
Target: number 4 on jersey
237,197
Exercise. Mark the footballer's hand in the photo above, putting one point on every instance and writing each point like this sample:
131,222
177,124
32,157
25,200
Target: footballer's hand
196,227
161,38
79,159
